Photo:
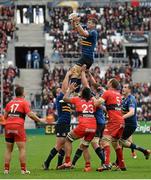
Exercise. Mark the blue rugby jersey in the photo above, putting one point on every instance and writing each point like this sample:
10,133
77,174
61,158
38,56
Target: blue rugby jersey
63,110
127,103
89,43
99,115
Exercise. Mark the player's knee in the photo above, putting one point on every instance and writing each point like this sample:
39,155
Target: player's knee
76,71
84,144
123,142
95,140
70,137
106,139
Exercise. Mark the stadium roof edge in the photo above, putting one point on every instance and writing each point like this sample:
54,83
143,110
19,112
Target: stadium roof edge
6,3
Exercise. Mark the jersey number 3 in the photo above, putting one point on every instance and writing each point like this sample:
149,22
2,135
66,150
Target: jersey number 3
14,108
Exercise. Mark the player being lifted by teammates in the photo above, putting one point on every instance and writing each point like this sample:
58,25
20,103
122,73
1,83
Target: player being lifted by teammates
88,43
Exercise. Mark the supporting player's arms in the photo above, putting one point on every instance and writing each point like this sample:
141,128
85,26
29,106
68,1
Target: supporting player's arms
83,78
65,82
34,117
130,113
98,102
92,78
70,89
94,83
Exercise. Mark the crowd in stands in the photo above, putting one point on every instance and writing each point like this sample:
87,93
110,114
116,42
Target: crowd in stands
9,75
52,80
112,23
7,27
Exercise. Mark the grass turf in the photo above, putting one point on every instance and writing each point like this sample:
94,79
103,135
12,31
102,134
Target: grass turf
39,146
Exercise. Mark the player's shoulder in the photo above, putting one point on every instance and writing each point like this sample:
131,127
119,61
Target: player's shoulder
77,98
20,101
10,102
94,32
107,92
132,98
60,96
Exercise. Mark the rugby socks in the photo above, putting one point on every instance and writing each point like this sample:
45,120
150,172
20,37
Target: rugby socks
77,156
60,157
119,154
6,166
100,154
132,150
134,146
87,164
107,152
67,159
23,166
52,154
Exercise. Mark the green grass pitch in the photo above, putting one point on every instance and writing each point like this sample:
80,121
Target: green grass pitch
39,146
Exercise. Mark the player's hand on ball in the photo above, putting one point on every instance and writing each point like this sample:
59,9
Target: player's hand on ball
74,19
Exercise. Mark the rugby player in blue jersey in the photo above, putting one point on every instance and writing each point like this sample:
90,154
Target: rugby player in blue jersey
129,107
62,126
88,43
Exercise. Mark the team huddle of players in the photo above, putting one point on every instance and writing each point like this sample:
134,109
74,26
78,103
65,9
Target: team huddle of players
90,104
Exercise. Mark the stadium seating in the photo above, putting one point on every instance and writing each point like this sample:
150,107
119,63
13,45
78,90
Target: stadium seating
51,80
7,27
9,75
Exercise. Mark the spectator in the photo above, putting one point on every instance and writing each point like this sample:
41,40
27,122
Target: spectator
37,17
46,63
29,15
135,60
32,100
36,59
28,60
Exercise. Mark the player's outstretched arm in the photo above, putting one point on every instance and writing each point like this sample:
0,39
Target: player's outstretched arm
70,89
65,82
92,78
83,77
34,117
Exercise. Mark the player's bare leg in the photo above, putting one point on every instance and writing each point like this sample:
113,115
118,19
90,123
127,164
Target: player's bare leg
105,144
7,157
68,150
22,157
87,157
76,75
119,153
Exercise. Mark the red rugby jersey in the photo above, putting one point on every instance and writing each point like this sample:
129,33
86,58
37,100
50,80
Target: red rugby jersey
85,110
17,110
113,100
